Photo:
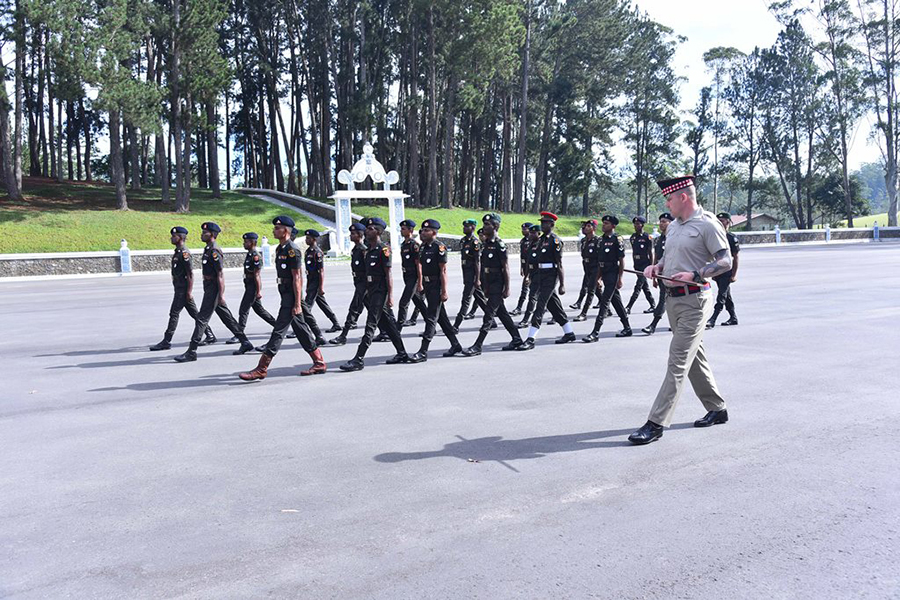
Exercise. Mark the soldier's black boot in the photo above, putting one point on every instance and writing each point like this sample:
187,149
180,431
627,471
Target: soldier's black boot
189,355
628,306
582,316
626,332
399,358
577,305
731,321
513,345
652,308
651,328
455,349
354,364
650,432
712,320
525,322
382,337
165,344
422,354
246,346
335,327
528,344
209,339
232,340
594,335
475,349
566,338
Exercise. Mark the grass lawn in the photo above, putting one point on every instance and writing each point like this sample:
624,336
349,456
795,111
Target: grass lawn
869,220
510,228
77,216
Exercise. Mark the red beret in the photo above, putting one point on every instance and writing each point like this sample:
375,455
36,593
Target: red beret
548,216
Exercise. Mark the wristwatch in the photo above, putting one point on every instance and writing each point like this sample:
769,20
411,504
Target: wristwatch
697,277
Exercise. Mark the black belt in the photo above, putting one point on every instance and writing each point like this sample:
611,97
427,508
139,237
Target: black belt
208,278
430,278
372,279
491,270
677,292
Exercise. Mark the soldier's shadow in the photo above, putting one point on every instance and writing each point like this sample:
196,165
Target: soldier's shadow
495,448
150,386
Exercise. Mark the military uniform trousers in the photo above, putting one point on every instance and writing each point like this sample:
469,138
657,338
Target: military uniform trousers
409,294
641,285
286,321
611,295
469,292
523,294
661,303
314,298
210,305
379,315
435,313
357,303
545,281
180,302
687,318
723,296
588,286
248,301
497,307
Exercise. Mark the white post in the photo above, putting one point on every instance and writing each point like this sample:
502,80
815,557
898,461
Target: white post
125,258
333,249
266,252
777,234
828,233
876,234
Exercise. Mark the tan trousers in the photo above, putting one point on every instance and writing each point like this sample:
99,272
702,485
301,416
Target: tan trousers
687,317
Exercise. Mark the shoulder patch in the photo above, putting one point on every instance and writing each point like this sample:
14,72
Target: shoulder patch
186,255
386,251
215,255
442,248
291,253
256,258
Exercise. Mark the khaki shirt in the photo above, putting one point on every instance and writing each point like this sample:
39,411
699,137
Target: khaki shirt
692,243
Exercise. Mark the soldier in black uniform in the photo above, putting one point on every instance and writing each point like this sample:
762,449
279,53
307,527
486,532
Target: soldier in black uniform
307,313
213,296
612,265
534,234
358,270
470,247
524,245
379,292
590,262
409,256
315,278
183,282
252,297
494,279
431,271
659,249
642,254
724,281
289,273
546,259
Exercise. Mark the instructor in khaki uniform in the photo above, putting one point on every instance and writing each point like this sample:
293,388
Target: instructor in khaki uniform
696,250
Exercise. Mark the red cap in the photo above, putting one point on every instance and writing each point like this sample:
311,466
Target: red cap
548,216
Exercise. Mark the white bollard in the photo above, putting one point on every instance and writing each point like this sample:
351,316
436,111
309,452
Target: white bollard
266,252
777,235
332,243
125,258
828,233
876,234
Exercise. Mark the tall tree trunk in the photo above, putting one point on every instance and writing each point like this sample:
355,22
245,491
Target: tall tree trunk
19,86
116,166
506,150
212,148
449,135
134,162
412,117
42,131
88,140
431,188
186,176
59,141
202,181
8,167
519,183
227,143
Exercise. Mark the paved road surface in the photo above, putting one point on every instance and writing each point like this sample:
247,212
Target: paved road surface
126,475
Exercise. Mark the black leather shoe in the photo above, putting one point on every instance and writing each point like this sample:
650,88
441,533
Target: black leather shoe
650,432
565,339
163,345
731,321
409,323
397,359
522,324
526,345
188,356
627,310
650,310
513,345
291,335
210,340
260,348
580,318
710,324
418,357
713,417
575,306
453,351
354,364
515,312
494,325
320,341
649,329
381,337
233,340
244,349
625,332
591,337
469,317
338,341
549,322
334,328
473,351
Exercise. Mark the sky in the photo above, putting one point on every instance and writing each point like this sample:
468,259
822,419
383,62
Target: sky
742,24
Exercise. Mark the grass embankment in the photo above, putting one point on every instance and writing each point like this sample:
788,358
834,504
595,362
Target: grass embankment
75,217
869,220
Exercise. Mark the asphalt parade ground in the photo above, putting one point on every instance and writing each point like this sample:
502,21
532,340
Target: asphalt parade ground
126,475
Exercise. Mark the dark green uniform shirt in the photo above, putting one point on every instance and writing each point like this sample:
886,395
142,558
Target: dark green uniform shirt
252,264
659,247
287,258
547,252
181,268
493,259
612,248
640,250
358,262
590,252
212,265
469,248
377,257
409,254
431,257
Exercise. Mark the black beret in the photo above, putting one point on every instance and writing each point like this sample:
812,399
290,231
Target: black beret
666,216
251,236
179,229
527,225
294,232
610,219
311,233
377,222
723,215
469,222
357,227
493,217
210,226
640,220
431,224
535,228
408,223
283,220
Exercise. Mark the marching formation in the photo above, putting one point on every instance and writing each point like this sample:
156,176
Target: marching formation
486,283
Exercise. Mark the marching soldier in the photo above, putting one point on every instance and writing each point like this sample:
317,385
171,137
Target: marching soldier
724,281
612,266
590,262
315,278
409,257
183,282
470,248
659,249
524,246
494,279
307,313
696,249
288,270
379,292
534,234
642,255
252,297
548,270
358,269
432,284
213,296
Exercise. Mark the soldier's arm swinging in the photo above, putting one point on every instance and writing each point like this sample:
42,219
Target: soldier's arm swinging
477,267
562,274
258,277
190,282
390,282
419,286
321,276
444,295
720,263
734,267
621,272
505,277
221,276
298,292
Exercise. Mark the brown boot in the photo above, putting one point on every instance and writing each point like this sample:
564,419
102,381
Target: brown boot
319,365
261,370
